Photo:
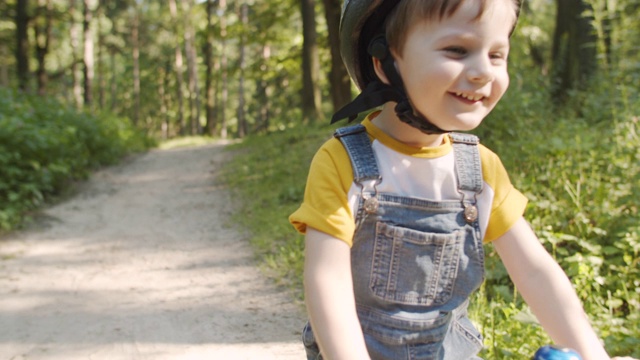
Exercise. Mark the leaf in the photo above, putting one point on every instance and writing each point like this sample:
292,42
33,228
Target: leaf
525,316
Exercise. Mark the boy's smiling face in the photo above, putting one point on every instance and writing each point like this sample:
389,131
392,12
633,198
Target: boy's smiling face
455,69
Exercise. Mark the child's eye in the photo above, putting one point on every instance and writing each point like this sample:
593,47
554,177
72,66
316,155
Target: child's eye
497,57
456,51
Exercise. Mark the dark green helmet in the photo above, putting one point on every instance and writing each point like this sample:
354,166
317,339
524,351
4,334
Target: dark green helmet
362,35
361,21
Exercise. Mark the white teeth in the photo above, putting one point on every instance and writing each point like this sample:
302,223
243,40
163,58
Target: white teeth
469,96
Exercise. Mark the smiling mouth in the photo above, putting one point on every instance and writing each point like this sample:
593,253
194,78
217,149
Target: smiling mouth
469,97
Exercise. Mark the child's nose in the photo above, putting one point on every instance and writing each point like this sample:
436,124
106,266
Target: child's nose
480,70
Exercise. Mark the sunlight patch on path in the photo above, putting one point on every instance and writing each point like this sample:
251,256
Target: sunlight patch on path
143,263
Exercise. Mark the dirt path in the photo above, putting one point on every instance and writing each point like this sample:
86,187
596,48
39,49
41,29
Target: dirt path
142,264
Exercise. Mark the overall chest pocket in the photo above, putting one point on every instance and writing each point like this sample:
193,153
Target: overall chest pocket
414,268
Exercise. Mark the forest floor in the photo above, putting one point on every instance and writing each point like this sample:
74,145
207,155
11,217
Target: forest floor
143,262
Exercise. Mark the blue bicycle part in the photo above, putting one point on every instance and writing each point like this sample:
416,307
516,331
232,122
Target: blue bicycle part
550,352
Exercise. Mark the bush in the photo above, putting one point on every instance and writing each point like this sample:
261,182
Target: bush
579,165
44,144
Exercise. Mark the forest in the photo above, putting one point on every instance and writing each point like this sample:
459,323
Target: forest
85,82
238,67
178,67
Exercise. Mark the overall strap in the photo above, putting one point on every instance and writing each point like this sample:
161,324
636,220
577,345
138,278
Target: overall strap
467,162
363,161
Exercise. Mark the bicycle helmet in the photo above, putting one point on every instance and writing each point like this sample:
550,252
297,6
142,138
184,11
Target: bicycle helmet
355,37
362,35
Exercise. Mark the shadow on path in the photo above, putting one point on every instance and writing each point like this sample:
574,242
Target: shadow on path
143,263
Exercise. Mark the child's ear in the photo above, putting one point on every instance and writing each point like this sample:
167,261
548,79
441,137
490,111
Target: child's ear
377,67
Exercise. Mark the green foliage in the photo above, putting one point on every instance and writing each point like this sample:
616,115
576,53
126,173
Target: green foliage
509,328
268,175
44,144
578,165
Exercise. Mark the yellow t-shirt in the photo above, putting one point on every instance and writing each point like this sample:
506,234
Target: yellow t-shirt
331,195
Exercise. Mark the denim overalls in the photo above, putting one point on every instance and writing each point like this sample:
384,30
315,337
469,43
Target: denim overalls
414,262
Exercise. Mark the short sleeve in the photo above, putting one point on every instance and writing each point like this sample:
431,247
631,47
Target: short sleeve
508,204
325,206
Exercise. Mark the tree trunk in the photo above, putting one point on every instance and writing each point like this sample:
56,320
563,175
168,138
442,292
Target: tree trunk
88,71
4,69
113,82
216,97
42,29
310,63
262,93
74,38
179,69
162,96
192,70
574,47
339,77
222,6
22,44
135,44
102,85
210,125
242,121
627,27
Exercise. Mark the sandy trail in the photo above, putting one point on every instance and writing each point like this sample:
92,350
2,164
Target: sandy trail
143,263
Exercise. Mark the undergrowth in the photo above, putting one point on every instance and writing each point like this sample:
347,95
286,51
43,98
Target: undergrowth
44,145
579,168
268,173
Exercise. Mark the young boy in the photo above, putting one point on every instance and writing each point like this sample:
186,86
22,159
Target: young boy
396,210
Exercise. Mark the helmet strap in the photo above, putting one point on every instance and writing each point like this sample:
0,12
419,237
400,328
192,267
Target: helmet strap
404,109
375,94
378,93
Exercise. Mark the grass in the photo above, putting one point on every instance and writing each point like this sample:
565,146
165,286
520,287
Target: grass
580,171
268,174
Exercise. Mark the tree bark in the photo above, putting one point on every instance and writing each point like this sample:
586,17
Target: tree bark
179,69
242,120
222,6
162,96
310,63
210,124
262,93
74,38
22,44
339,77
4,69
42,29
574,47
192,70
135,44
88,70
113,82
100,78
